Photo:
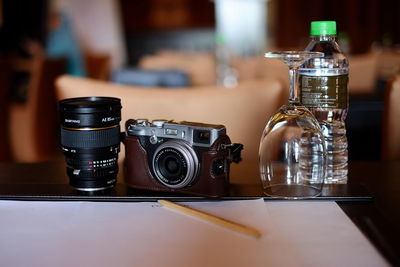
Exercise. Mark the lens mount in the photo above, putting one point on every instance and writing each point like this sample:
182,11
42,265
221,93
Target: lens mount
175,164
92,180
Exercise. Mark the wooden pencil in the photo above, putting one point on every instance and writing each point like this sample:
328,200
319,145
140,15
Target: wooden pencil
212,218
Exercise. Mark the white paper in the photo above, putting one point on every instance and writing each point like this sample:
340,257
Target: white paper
144,234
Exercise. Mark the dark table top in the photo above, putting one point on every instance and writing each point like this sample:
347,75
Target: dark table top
378,217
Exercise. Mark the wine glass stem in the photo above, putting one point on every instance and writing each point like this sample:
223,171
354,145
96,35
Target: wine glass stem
294,92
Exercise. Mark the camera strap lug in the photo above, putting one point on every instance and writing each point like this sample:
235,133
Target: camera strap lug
234,151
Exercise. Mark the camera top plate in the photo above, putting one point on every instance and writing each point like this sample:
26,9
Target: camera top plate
195,134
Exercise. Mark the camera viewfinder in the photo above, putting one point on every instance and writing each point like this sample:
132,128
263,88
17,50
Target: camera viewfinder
171,131
201,136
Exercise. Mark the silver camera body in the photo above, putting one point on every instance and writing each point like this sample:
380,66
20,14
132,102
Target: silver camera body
195,134
188,157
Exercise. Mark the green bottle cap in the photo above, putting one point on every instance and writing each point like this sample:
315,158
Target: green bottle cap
323,28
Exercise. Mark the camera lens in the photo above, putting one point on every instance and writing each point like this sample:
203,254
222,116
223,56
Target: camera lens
90,140
171,165
175,164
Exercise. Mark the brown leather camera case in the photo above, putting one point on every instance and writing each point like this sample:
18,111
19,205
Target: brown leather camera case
138,175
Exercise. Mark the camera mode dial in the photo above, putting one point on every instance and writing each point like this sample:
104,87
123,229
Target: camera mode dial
158,123
141,122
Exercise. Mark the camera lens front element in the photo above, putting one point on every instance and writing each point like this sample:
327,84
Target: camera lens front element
172,166
175,164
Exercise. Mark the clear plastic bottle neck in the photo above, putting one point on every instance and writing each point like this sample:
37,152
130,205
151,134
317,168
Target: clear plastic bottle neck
326,38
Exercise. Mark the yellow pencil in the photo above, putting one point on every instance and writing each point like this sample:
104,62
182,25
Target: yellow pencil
212,218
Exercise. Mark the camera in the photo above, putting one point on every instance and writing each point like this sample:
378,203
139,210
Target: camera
185,157
90,139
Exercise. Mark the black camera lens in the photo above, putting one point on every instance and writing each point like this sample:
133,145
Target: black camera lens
175,164
172,165
90,140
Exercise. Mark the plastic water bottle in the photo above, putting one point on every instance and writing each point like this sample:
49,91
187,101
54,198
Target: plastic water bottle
323,84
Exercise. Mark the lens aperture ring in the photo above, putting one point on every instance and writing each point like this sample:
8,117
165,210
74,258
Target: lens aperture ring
105,173
90,138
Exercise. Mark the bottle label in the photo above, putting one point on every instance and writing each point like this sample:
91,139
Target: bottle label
324,91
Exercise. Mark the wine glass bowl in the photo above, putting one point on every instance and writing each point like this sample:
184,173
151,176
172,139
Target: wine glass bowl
292,155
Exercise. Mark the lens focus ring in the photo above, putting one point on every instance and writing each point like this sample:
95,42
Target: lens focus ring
90,139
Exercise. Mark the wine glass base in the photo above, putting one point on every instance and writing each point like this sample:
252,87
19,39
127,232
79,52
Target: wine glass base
285,191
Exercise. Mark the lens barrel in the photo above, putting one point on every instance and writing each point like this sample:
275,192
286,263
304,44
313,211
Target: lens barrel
175,164
90,139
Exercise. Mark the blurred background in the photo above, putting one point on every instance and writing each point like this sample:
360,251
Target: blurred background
183,44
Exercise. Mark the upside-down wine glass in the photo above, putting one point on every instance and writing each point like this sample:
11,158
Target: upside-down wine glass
292,155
